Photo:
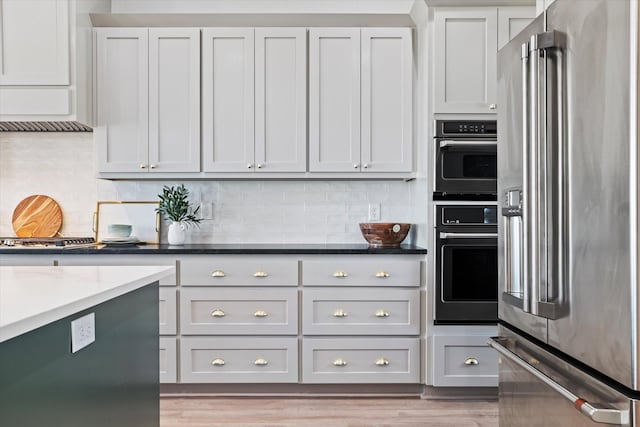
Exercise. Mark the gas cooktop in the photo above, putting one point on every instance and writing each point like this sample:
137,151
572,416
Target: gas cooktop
45,242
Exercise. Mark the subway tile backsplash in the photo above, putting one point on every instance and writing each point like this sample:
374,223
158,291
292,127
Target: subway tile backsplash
62,165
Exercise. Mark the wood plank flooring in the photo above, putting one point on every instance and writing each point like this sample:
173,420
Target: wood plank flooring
325,412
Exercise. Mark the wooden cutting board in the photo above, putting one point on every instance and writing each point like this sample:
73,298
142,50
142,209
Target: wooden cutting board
37,216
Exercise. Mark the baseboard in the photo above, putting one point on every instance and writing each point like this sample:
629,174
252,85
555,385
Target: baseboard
462,393
291,390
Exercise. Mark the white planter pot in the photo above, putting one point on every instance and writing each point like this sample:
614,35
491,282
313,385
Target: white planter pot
177,233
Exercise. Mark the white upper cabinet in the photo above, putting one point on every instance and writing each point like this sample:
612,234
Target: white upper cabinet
334,100
512,20
34,42
122,110
466,41
254,100
227,99
465,60
360,106
386,100
174,99
148,92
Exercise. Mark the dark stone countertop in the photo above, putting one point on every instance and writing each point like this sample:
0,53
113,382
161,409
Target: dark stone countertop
221,249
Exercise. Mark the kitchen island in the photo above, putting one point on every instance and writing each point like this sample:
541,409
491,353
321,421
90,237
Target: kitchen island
111,381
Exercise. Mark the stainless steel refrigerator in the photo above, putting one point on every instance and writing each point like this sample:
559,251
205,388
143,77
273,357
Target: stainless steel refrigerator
569,343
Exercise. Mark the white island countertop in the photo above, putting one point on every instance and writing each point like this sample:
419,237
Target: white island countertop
31,297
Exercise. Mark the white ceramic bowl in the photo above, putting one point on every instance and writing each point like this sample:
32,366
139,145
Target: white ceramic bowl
119,230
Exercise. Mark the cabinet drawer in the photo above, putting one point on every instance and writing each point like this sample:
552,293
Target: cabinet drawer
168,319
360,360
371,271
168,360
238,311
238,360
248,271
358,311
460,361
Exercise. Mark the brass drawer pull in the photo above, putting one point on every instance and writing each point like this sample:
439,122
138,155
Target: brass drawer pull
260,274
382,313
217,362
471,361
340,313
260,362
218,273
339,362
340,274
382,362
382,274
217,313
260,313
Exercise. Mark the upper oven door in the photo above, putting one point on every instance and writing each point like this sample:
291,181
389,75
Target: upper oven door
466,166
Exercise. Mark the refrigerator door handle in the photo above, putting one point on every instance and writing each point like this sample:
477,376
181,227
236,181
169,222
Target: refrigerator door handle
598,415
549,275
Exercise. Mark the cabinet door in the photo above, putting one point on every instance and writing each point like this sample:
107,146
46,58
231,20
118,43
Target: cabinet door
281,96
334,100
227,99
512,20
465,60
174,100
34,42
122,75
386,100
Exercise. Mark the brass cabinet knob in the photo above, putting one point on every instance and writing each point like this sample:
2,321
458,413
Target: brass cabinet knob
382,274
382,362
382,313
260,313
340,274
217,362
260,362
143,166
340,313
218,273
217,313
153,166
339,362
260,274
471,361
260,166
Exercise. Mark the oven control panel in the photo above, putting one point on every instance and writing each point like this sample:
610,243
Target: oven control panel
486,128
467,215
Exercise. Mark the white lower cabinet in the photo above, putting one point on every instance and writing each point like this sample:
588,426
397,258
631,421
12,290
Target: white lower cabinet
239,360
168,360
464,361
360,360
361,319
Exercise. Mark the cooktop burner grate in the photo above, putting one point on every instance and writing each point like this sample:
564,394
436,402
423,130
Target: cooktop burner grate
45,241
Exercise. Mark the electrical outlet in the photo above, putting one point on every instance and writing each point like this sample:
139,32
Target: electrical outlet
374,211
206,210
83,332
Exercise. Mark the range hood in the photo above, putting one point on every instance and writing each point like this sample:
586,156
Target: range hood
46,62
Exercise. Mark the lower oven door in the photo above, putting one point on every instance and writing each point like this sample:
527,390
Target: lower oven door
466,166
466,278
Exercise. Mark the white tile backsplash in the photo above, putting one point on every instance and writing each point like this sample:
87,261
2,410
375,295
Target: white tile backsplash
62,166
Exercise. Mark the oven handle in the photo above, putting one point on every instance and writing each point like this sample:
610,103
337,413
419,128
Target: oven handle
477,143
468,235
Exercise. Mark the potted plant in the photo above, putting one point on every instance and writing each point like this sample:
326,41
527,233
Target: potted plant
175,207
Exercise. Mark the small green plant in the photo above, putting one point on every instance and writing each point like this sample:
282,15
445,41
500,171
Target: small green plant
174,206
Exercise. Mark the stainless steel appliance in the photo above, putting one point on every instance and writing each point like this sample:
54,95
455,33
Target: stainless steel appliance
465,160
45,242
466,264
568,250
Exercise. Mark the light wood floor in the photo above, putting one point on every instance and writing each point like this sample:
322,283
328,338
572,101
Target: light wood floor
326,412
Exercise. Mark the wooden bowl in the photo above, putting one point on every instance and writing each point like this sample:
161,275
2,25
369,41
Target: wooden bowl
384,234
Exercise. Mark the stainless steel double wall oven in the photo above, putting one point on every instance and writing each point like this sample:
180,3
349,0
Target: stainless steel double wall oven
466,259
